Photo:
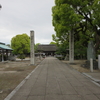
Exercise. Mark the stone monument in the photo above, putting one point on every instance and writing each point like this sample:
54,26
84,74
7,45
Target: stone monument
91,55
71,47
91,51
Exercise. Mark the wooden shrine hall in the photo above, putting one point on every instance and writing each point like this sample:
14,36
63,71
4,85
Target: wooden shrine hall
5,51
48,49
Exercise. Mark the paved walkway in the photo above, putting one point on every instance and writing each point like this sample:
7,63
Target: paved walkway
54,80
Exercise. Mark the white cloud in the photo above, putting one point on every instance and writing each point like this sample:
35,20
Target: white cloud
21,16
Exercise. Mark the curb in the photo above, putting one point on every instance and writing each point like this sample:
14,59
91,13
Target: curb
95,81
20,85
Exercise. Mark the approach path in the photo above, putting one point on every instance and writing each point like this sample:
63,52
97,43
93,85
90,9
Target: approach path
54,80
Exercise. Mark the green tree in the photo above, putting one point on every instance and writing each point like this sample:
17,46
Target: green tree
20,44
53,42
36,47
62,49
64,18
62,45
80,16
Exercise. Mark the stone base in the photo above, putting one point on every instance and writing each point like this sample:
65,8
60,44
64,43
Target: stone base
87,64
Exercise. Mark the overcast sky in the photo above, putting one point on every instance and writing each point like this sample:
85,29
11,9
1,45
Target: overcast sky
22,16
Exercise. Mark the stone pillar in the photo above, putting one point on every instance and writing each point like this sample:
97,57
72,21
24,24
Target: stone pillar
32,61
91,65
98,61
71,47
91,51
2,55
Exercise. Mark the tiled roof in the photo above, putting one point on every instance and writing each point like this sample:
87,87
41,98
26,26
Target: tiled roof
2,46
49,47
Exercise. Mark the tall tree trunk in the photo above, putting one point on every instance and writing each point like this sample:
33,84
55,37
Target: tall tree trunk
97,39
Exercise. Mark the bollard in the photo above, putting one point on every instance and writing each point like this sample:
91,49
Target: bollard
98,61
91,65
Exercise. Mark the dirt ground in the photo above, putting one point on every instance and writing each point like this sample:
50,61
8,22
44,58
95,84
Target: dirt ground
11,74
77,65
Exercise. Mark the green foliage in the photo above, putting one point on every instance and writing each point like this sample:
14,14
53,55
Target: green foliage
80,16
53,42
36,47
21,44
62,49
21,56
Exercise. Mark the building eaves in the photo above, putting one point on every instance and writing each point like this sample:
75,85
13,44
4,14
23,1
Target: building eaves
5,47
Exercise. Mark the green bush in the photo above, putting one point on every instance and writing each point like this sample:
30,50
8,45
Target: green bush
22,56
5,57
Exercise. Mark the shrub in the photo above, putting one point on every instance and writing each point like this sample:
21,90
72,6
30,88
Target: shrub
21,56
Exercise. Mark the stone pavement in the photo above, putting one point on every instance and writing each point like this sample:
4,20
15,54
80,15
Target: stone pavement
54,80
